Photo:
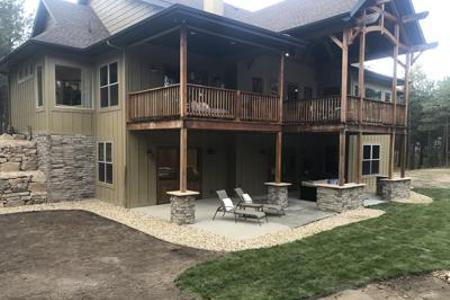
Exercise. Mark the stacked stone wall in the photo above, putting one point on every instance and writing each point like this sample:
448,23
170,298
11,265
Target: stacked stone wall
21,183
340,199
69,164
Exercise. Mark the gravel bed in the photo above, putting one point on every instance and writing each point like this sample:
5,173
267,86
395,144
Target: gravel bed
197,238
415,199
442,275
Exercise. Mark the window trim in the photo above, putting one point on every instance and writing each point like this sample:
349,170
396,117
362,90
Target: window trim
39,107
80,107
99,182
371,160
108,85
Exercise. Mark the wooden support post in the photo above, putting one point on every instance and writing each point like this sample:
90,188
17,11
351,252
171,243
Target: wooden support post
395,75
281,87
359,157
279,157
391,155
183,71
403,156
361,79
344,85
342,156
183,159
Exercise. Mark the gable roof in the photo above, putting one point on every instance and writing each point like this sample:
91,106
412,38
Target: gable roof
290,14
72,25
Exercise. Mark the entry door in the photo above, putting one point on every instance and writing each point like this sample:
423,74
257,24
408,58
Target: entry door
168,172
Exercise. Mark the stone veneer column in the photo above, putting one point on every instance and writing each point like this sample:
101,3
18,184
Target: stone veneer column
340,198
396,188
278,194
182,207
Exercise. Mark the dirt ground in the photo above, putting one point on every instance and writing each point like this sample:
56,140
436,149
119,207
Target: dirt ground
424,287
430,178
79,255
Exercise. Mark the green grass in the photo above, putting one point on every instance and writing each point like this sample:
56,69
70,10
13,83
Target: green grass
407,240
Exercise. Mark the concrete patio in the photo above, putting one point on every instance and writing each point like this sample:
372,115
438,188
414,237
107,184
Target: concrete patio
299,213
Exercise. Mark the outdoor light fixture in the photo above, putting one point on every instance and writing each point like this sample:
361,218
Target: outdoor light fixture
287,54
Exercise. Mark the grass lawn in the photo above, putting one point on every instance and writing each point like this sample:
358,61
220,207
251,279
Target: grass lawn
407,240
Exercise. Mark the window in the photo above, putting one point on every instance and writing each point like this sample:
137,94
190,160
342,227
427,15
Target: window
292,91
257,85
68,86
105,166
373,94
109,85
25,73
387,97
39,87
371,160
307,92
356,91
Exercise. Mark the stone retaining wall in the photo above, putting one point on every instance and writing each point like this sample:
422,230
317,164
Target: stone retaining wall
69,164
17,155
22,188
340,199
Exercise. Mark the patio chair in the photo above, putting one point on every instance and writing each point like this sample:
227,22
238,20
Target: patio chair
246,201
228,207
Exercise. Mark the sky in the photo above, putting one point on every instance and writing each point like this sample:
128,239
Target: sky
436,63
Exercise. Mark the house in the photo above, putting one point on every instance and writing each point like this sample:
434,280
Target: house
130,100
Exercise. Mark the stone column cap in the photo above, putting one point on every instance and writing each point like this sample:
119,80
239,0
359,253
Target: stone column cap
281,184
338,187
183,194
397,179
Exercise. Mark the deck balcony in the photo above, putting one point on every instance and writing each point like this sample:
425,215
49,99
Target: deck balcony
203,103
232,106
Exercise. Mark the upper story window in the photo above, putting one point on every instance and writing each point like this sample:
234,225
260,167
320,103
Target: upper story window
25,73
373,94
68,86
39,87
109,85
387,97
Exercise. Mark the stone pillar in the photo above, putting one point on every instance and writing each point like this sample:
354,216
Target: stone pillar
182,207
340,198
278,194
396,188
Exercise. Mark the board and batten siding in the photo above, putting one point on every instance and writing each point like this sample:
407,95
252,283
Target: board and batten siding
110,126
25,115
63,119
375,139
119,14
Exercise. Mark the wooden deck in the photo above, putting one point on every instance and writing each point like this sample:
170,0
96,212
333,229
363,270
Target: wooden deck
225,109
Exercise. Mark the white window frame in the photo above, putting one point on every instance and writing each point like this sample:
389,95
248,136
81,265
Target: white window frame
105,162
68,65
37,86
108,85
371,160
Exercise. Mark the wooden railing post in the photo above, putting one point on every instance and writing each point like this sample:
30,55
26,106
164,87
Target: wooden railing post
238,106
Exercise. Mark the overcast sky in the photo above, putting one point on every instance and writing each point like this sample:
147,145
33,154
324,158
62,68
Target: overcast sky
436,28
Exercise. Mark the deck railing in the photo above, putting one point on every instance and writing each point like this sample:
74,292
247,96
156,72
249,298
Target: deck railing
154,104
313,111
202,102
328,110
225,104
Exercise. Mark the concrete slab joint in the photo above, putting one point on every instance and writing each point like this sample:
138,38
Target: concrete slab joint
393,188
278,193
340,198
182,207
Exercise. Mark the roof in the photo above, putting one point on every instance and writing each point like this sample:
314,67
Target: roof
72,25
290,14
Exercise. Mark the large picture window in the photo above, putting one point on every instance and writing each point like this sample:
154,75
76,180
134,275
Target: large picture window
109,85
371,160
105,165
68,86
